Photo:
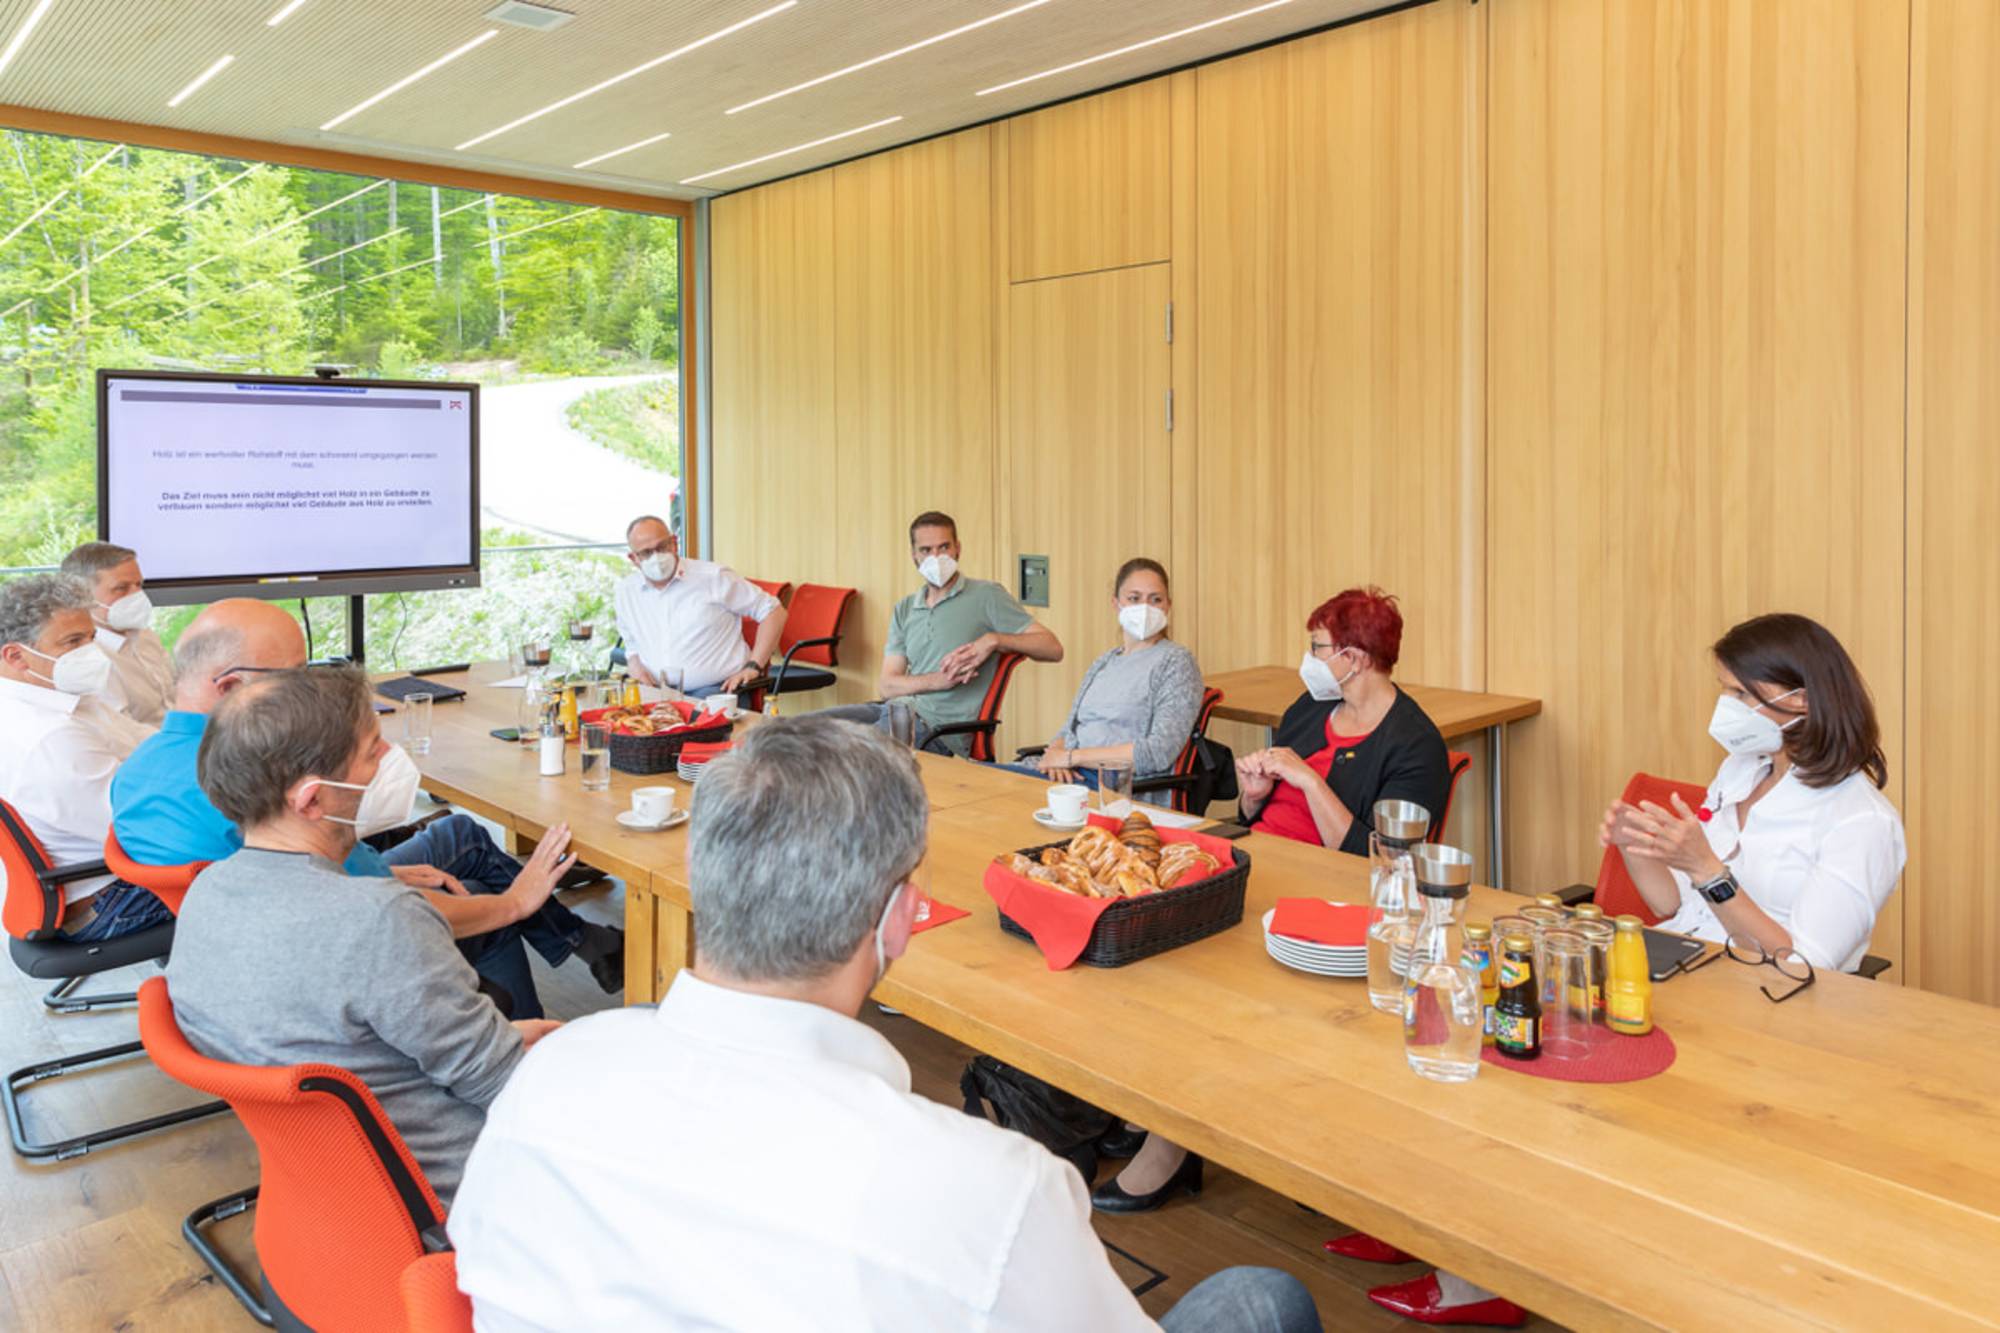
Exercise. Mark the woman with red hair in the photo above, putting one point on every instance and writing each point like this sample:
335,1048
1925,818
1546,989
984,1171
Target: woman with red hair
1351,739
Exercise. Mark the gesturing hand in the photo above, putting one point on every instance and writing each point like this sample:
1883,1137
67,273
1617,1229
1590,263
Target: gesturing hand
732,684
1673,837
1253,779
428,877
1285,764
537,880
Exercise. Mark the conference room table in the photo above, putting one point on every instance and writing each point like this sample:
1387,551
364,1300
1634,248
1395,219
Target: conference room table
1260,695
1831,1161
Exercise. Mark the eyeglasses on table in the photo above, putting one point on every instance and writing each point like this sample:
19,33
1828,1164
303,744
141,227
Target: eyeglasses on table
1745,949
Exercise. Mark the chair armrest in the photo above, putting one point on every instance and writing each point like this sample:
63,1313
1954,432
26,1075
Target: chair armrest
74,870
1030,752
1167,782
1577,893
1872,966
785,662
966,728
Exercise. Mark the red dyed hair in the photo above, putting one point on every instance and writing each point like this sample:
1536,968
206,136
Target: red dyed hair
1364,618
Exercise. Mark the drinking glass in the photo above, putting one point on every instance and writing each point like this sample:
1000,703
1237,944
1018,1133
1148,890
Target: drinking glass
920,878
902,725
1114,789
594,757
417,723
1571,1023
1599,935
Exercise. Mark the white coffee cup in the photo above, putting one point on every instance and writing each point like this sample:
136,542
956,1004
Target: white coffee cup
718,703
653,805
1066,802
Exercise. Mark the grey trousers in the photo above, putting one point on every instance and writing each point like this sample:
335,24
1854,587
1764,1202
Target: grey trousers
877,716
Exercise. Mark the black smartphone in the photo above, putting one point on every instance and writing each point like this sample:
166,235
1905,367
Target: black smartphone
1666,952
505,733
1224,830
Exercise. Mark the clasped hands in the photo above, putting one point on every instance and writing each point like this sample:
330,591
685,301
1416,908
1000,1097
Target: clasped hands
962,663
1672,837
1259,772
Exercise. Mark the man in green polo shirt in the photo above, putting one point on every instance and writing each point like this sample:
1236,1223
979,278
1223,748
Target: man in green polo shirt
943,637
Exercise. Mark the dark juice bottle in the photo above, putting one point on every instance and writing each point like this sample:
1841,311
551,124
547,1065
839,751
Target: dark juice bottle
1517,1013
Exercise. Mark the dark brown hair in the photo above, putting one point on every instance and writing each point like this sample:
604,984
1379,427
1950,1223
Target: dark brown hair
932,518
1137,564
266,736
1839,734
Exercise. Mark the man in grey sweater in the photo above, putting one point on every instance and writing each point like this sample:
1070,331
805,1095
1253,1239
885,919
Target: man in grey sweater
282,958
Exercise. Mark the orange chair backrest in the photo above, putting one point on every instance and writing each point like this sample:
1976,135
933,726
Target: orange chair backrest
431,1298
1616,893
1455,762
816,613
1185,761
167,883
989,707
341,1203
781,591
30,911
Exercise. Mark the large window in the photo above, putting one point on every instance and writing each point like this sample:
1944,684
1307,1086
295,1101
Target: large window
112,255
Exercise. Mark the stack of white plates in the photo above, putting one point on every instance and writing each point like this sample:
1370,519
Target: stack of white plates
691,769
1322,960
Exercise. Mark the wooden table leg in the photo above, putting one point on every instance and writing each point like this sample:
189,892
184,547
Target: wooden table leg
641,977
673,943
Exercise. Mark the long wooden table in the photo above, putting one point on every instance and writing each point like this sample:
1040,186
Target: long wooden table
1828,1162
1260,696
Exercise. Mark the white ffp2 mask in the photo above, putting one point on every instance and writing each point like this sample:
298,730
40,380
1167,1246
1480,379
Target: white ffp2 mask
1741,729
132,611
1141,621
938,570
386,799
84,669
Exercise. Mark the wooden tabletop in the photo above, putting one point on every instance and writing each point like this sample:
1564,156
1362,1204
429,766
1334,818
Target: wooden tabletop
1828,1162
1260,695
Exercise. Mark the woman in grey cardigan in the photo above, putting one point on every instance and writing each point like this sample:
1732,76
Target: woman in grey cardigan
1137,704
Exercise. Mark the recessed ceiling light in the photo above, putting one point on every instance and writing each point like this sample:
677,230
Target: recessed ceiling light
20,36
889,55
633,72
409,79
606,157
796,148
1136,46
539,18
199,80
290,8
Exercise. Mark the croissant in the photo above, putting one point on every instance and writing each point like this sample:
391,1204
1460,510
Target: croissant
1071,878
1130,883
1138,833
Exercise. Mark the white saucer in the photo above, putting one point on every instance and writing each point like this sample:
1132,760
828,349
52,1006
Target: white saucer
631,820
1048,821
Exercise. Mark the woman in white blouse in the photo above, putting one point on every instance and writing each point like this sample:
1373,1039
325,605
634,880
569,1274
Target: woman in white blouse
1794,845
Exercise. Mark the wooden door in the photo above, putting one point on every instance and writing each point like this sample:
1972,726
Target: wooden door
1086,471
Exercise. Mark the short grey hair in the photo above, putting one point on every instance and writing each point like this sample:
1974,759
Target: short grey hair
93,558
263,738
647,518
27,605
799,837
205,652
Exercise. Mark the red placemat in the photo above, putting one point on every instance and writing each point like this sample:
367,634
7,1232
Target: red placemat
1617,1060
942,914
1320,922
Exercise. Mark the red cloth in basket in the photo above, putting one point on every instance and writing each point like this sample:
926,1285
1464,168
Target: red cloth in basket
1061,922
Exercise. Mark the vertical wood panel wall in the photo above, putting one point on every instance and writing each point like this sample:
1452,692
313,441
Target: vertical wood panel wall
1578,323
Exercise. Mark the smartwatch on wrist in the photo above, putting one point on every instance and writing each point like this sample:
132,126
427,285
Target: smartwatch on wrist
1720,889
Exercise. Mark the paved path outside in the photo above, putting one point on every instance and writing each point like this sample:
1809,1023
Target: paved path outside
537,475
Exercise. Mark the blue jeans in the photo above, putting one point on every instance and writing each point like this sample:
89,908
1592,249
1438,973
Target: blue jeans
1085,777
1244,1300
122,909
459,847
877,716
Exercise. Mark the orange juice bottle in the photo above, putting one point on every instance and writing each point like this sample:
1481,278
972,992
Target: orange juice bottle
569,711
1629,998
631,699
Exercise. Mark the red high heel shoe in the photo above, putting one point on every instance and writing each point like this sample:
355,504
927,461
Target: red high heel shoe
1361,1245
1419,1299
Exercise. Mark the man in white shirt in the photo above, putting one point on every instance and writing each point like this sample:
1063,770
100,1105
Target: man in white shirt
783,1175
142,674
682,620
60,744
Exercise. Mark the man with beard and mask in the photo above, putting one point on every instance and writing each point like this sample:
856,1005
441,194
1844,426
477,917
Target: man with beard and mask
60,743
943,638
142,674
162,817
281,957
682,620
821,1192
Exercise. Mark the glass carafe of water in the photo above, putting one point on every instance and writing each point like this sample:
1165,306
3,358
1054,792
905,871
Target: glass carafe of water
1443,1017
1392,907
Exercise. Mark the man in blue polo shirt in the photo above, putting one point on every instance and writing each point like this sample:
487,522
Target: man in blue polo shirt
162,817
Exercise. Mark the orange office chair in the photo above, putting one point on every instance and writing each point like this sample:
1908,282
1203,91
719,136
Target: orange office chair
431,1297
812,635
781,591
33,915
1619,896
167,883
342,1206
1456,762
981,729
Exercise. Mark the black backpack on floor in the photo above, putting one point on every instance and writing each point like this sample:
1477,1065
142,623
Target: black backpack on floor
1067,1126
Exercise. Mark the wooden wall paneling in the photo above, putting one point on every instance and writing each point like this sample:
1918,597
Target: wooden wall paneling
1090,183
912,237
1088,460
1695,371
1952,913
771,261
1183,553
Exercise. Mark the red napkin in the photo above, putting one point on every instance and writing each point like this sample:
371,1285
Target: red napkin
1320,922
703,751
942,914
1061,923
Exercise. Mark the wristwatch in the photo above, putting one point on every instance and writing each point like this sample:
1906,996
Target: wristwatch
1720,889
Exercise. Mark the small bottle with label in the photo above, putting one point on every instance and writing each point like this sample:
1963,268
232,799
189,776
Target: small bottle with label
1517,1012
1478,956
1628,1001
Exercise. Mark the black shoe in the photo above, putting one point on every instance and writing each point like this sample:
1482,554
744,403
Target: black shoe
580,876
1109,1198
602,948
1121,1142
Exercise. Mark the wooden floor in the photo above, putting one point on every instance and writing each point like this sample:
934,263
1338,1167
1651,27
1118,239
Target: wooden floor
95,1243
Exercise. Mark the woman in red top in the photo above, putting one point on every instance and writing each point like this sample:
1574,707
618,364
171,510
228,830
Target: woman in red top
1351,739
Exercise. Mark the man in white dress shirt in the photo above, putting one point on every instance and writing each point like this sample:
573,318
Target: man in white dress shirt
60,743
682,620
778,1172
142,674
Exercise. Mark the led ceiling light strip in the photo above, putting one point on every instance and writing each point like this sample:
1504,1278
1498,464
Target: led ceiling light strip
407,80
619,152
1136,46
888,55
291,7
796,148
20,36
634,72
199,80
60,195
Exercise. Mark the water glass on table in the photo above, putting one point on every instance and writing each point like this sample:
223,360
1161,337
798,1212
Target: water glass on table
417,723
594,760
1114,789
902,725
920,879
1571,1024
